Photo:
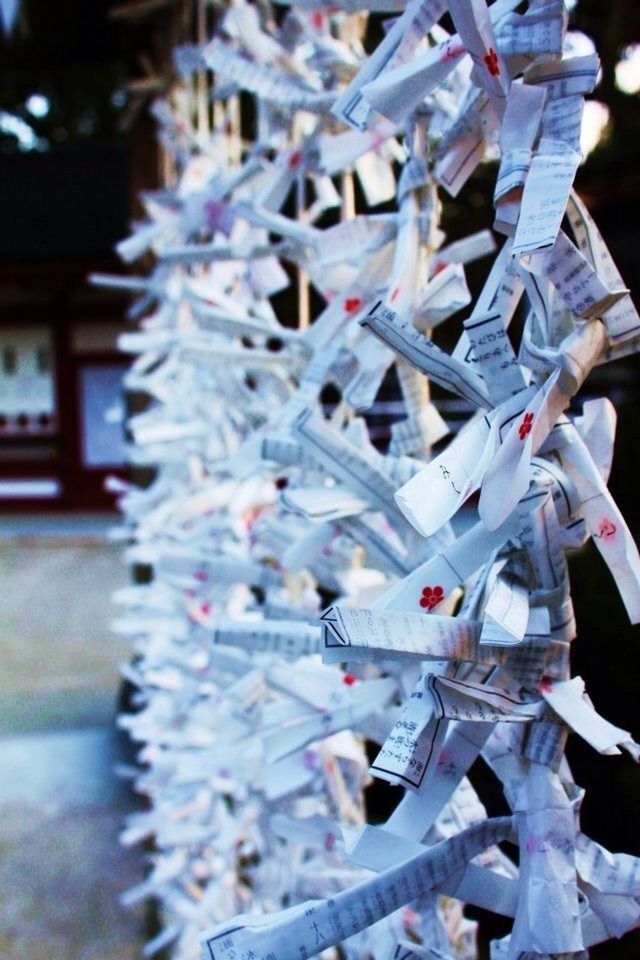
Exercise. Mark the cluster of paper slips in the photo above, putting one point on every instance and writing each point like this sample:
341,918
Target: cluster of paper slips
310,592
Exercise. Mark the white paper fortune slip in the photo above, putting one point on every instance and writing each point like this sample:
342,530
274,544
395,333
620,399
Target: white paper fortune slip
316,925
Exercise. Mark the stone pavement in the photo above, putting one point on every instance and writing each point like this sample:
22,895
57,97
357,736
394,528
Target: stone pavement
61,805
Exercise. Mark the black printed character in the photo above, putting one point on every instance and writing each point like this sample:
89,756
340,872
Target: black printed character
318,932
446,474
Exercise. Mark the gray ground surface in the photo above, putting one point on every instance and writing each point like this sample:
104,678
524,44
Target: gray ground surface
61,806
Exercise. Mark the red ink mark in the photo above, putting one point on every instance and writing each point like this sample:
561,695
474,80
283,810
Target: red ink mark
525,426
410,918
545,685
351,304
201,575
607,529
317,19
294,159
394,293
329,842
452,50
491,62
205,607
431,597
349,679
438,267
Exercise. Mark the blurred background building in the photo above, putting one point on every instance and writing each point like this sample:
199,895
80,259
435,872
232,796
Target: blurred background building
76,148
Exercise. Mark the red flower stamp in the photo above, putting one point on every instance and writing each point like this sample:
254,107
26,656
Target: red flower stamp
491,62
607,529
431,597
351,304
525,426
